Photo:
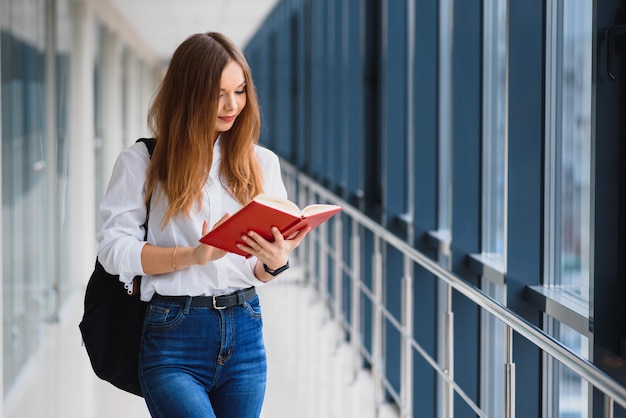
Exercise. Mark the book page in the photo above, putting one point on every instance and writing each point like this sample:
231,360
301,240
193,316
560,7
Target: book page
317,208
283,205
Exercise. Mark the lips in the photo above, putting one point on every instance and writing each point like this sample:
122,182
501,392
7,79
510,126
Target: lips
227,118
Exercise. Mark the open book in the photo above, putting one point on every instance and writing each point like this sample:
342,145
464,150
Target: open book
260,215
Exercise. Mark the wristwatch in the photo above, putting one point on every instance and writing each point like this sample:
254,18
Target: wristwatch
277,271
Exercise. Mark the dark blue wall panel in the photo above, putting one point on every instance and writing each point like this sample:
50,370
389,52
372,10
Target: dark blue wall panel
526,115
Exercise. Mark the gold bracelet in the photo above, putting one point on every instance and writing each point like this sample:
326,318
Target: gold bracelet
174,258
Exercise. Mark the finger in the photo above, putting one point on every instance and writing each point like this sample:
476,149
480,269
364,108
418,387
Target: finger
249,249
278,237
300,235
221,221
205,228
257,239
254,246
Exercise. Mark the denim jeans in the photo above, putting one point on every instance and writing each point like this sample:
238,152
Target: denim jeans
201,362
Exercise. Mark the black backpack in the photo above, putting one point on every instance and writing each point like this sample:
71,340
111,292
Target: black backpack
112,323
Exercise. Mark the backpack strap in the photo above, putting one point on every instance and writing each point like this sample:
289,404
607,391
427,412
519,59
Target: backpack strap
149,142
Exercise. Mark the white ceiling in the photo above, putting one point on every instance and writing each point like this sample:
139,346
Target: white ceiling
163,24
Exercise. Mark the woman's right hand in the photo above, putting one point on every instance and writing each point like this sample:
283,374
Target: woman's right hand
204,253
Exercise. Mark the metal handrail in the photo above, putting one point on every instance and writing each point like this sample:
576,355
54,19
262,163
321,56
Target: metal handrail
581,366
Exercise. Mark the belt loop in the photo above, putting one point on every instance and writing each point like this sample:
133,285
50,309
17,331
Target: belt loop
241,298
187,305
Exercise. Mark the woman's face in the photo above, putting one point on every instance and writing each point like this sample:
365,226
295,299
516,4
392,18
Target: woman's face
232,96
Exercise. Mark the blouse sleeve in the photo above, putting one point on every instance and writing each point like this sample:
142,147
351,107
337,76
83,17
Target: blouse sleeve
123,214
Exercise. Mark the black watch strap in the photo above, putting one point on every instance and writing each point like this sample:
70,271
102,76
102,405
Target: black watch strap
277,271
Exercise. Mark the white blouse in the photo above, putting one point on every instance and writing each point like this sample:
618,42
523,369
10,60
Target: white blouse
123,213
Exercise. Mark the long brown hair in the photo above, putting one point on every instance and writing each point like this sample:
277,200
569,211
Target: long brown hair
182,119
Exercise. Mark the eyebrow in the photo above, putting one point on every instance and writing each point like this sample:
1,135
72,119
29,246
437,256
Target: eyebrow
239,86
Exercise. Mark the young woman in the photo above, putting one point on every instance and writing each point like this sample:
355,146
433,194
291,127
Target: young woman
202,351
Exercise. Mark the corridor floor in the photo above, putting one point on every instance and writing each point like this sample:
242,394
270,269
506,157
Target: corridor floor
310,369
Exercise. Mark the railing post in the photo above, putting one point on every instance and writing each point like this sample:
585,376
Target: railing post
377,325
509,374
448,405
308,250
355,341
338,278
322,244
406,365
609,407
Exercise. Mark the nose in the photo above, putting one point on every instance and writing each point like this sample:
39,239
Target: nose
230,102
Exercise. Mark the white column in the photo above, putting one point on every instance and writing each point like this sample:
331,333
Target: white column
112,105
148,89
81,211
152,79
146,95
133,98
81,180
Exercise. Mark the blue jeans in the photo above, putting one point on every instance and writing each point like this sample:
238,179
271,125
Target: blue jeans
201,362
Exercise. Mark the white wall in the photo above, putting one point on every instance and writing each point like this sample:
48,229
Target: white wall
81,211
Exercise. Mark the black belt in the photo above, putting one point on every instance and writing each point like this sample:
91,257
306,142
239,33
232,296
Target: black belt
215,302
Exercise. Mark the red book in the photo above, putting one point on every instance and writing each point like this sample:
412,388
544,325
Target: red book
260,215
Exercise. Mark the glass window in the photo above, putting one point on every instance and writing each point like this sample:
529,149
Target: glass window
63,54
568,194
492,354
444,186
494,114
568,394
27,288
35,45
568,145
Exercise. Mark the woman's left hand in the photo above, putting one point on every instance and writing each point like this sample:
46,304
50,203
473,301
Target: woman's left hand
274,254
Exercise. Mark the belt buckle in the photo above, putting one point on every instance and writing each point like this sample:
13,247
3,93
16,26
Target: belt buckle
219,308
